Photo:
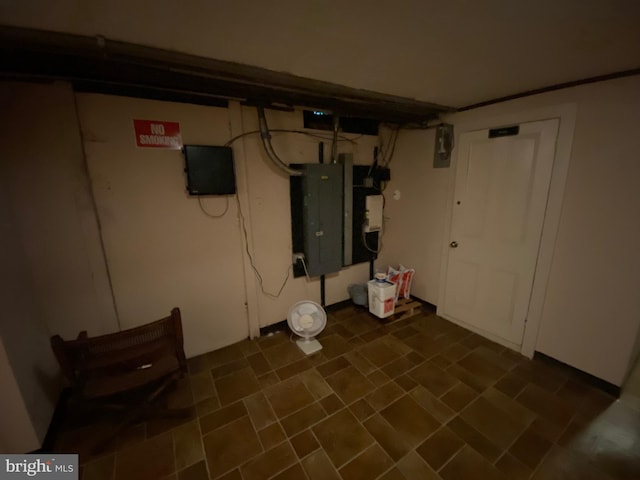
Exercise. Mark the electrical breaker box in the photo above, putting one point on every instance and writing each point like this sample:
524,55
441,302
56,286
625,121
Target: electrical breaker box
357,245
374,205
322,212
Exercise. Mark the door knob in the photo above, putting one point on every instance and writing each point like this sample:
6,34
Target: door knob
453,244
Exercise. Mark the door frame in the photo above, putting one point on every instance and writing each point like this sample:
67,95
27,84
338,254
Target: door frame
472,121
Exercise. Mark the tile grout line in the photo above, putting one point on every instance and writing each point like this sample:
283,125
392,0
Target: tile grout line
320,447
299,460
506,450
204,452
450,459
537,467
288,438
198,416
345,407
115,460
445,463
356,349
239,467
173,448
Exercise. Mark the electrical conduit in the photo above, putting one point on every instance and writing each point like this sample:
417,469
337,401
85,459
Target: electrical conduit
271,153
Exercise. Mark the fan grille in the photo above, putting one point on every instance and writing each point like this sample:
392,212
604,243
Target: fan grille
306,318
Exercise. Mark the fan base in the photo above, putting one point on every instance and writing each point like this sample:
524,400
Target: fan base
309,346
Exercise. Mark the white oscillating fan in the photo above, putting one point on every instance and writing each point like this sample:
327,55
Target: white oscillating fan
307,319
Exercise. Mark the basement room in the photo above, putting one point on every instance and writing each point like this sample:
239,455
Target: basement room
296,240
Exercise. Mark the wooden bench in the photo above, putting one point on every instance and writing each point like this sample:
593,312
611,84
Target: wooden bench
104,372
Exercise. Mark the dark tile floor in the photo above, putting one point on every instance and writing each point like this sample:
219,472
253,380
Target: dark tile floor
417,399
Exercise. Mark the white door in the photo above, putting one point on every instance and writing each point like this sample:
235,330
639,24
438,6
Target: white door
499,205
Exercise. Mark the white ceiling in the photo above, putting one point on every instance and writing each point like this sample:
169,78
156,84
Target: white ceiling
451,52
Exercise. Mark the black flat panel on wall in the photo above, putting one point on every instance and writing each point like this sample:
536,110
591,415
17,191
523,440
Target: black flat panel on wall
209,170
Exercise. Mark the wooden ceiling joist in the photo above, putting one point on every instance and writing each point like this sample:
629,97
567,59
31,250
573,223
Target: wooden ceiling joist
107,66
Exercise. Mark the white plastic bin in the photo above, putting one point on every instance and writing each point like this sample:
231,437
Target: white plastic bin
381,298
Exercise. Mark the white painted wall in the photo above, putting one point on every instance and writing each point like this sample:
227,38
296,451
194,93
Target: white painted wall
270,212
162,251
53,276
414,223
159,243
17,434
28,371
634,362
591,315
55,218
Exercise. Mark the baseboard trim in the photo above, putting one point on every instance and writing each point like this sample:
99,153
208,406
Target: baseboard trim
282,324
427,307
592,380
339,305
274,328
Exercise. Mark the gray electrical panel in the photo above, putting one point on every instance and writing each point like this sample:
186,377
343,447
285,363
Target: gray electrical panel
322,217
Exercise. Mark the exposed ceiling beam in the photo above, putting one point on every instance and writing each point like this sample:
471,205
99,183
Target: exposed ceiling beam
98,64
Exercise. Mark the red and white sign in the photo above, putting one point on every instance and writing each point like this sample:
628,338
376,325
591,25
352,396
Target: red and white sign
157,134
